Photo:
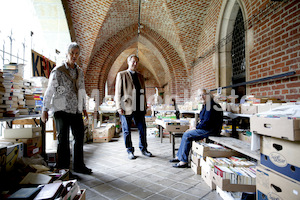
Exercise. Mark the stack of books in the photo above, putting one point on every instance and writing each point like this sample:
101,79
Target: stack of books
10,101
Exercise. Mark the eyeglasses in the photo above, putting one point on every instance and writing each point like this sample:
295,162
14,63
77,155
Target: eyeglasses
202,95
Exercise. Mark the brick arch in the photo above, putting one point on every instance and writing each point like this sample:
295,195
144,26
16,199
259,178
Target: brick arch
153,61
103,59
101,63
225,29
179,74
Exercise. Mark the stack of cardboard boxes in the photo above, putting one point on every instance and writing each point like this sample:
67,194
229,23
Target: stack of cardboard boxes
19,142
203,162
278,175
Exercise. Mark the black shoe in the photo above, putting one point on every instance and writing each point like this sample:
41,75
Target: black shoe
181,166
174,160
83,170
131,156
146,153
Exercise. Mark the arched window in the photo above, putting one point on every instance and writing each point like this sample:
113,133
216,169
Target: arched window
238,54
232,49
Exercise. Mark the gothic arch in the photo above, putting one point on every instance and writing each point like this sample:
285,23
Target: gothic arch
224,36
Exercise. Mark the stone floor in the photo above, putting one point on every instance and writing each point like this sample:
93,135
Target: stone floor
116,177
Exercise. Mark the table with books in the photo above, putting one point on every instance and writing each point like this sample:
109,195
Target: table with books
175,127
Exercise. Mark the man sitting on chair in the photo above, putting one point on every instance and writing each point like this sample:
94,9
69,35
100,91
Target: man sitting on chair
211,120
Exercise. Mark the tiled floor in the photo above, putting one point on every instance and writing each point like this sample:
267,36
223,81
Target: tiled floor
117,177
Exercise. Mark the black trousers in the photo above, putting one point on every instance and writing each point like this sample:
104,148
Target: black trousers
63,122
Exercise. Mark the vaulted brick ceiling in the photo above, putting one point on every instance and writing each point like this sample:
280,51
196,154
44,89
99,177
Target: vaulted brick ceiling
107,31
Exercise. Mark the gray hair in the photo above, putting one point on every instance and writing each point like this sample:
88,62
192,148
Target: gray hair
206,91
132,55
73,45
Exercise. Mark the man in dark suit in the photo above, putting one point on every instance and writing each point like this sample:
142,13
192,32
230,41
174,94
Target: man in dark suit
131,104
211,120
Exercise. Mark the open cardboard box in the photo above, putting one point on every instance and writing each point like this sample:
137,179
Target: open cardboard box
211,152
224,184
283,127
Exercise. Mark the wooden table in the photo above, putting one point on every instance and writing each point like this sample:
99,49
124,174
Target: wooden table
174,131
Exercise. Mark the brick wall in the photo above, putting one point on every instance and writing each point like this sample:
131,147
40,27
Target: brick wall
204,73
176,33
276,50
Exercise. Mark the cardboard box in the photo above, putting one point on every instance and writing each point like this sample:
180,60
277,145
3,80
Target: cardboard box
282,127
3,151
281,156
73,191
207,151
206,171
223,106
176,128
196,158
271,185
150,119
229,195
249,109
32,146
196,169
264,107
104,134
244,137
82,196
13,152
22,132
235,108
224,184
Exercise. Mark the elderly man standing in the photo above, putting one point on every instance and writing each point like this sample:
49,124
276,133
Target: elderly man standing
131,104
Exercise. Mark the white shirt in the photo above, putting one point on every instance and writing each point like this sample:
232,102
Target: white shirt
60,94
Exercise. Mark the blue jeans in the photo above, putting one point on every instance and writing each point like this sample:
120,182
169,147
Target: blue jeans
139,120
186,142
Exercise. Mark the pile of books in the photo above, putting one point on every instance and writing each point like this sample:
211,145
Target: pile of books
9,97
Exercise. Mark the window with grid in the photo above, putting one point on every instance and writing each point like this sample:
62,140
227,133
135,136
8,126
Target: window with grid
238,54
